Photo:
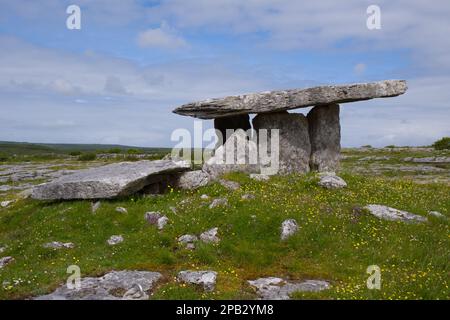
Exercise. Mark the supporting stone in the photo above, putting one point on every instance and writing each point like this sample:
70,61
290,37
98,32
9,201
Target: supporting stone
237,154
241,121
294,145
325,137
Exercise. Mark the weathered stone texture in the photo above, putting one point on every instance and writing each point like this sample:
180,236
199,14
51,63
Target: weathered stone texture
294,144
325,137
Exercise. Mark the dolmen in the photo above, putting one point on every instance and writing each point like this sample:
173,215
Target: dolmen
306,143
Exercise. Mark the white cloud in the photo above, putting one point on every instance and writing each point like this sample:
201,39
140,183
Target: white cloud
162,37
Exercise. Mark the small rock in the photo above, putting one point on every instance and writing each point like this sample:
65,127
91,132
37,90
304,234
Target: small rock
273,288
207,279
391,214
155,218
188,240
231,185
115,240
332,182
5,204
5,261
95,206
210,236
204,197
121,210
288,228
162,222
218,202
248,196
136,292
173,209
25,194
59,245
436,214
259,177
152,217
2,249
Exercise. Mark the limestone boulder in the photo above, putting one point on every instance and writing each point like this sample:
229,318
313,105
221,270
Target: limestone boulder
207,279
274,288
110,181
392,214
116,285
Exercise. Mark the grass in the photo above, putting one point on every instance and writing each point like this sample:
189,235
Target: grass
336,241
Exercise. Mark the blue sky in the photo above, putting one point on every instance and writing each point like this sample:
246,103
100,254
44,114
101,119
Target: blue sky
118,78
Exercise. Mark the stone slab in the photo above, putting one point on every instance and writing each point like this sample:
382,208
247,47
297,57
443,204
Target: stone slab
272,101
110,181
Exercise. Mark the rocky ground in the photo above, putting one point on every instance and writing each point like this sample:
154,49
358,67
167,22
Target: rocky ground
241,237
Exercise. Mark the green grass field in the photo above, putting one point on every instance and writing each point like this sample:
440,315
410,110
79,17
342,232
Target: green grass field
336,241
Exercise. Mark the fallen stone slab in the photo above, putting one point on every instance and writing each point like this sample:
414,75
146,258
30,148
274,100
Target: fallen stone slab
273,101
116,285
207,279
392,214
110,181
273,288
5,261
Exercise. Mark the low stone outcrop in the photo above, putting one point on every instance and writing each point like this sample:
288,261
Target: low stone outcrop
116,285
110,181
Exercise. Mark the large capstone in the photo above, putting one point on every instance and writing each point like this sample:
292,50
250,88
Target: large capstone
273,101
325,137
241,121
294,146
114,180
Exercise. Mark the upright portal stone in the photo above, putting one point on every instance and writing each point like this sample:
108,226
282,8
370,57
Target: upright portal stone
237,154
294,148
241,121
325,137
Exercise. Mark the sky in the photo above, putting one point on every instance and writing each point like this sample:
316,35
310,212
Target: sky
118,78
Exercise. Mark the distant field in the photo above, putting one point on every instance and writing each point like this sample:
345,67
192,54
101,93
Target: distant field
25,148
